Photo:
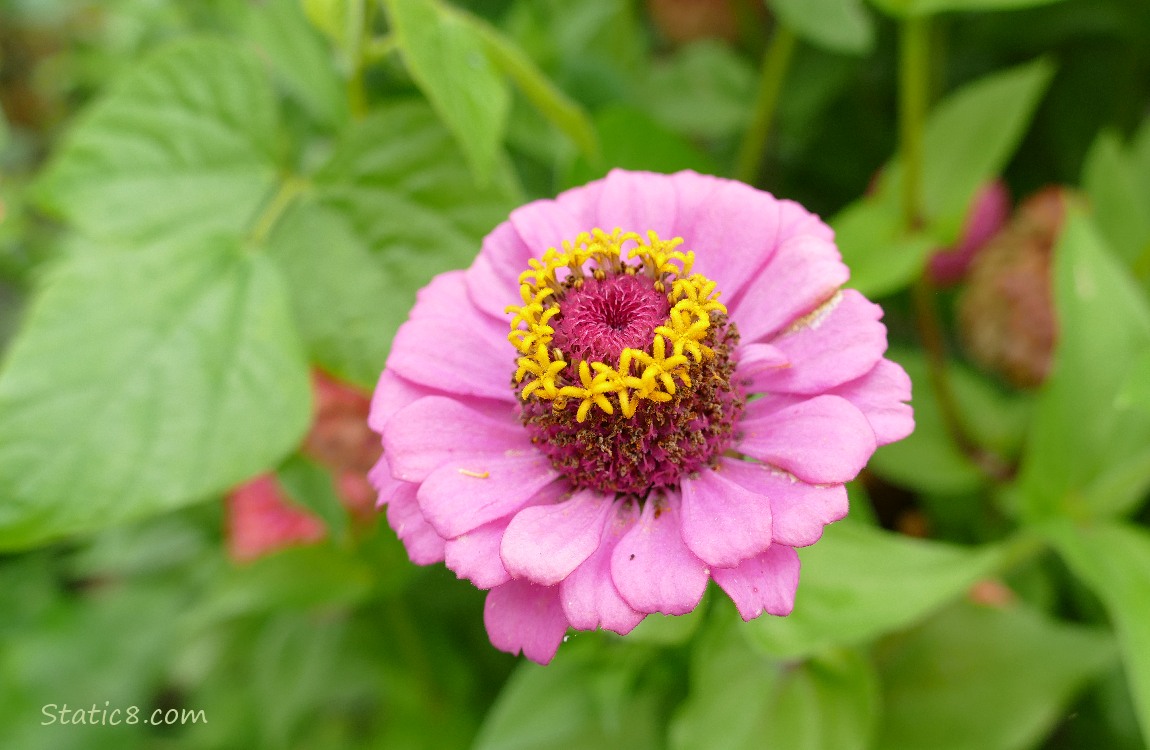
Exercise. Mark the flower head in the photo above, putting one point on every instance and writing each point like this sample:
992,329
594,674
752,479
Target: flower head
647,383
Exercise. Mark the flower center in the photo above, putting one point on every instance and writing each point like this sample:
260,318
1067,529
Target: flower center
625,367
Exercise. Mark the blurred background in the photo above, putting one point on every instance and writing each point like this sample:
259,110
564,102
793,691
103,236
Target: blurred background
214,215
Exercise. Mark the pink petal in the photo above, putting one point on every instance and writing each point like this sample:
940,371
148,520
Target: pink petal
453,358
799,511
436,430
423,545
804,273
652,567
475,555
723,522
794,220
766,582
755,361
523,616
493,278
456,497
879,395
541,225
830,347
446,299
732,228
545,543
823,440
588,595
638,202
391,394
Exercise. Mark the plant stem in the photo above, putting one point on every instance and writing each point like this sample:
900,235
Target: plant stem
914,92
291,187
776,61
914,101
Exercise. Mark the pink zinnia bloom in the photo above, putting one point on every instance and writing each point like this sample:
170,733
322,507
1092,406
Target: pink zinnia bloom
583,425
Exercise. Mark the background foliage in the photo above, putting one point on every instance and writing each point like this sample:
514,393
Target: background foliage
199,202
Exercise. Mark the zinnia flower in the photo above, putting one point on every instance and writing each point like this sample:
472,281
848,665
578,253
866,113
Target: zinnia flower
647,383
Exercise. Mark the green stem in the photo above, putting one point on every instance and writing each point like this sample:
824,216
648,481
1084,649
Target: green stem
914,93
776,61
291,187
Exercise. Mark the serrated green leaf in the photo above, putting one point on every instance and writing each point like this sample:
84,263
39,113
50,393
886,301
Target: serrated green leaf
143,381
399,181
836,25
1079,433
911,8
298,55
1114,560
341,296
552,102
859,582
1012,668
739,699
448,59
184,145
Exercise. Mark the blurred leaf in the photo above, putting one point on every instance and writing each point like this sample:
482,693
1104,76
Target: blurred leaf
668,630
702,90
339,291
552,103
970,137
1012,668
400,182
1135,390
144,381
1079,433
310,485
837,25
859,582
342,22
1118,184
448,59
739,699
906,8
298,55
631,139
580,700
184,145
928,460
1114,560
881,256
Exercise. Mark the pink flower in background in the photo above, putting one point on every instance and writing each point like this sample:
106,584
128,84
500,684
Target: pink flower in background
261,519
988,213
647,383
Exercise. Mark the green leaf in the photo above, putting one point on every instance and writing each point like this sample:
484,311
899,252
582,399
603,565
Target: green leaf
184,145
580,700
859,582
836,25
299,56
631,139
1080,433
1134,392
341,296
969,138
342,22
739,699
399,181
310,486
448,59
1118,184
701,91
928,459
1012,668
1114,560
144,381
552,103
909,8
882,257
